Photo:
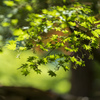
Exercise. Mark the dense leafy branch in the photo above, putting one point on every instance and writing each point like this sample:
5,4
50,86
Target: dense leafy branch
70,30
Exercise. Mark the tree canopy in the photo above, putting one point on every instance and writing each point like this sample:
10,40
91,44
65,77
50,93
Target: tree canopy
67,29
14,12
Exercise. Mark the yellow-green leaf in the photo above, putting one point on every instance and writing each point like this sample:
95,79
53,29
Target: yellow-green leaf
9,3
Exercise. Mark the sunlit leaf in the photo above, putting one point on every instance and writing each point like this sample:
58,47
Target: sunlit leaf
9,3
5,24
14,21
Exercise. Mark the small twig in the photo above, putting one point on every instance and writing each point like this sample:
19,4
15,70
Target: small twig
49,52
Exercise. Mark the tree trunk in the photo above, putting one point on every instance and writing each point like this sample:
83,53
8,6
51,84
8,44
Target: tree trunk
82,79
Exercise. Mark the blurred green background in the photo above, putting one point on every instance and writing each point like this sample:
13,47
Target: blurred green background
10,75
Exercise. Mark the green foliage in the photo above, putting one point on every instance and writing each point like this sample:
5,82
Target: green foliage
12,15
14,12
10,76
84,36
